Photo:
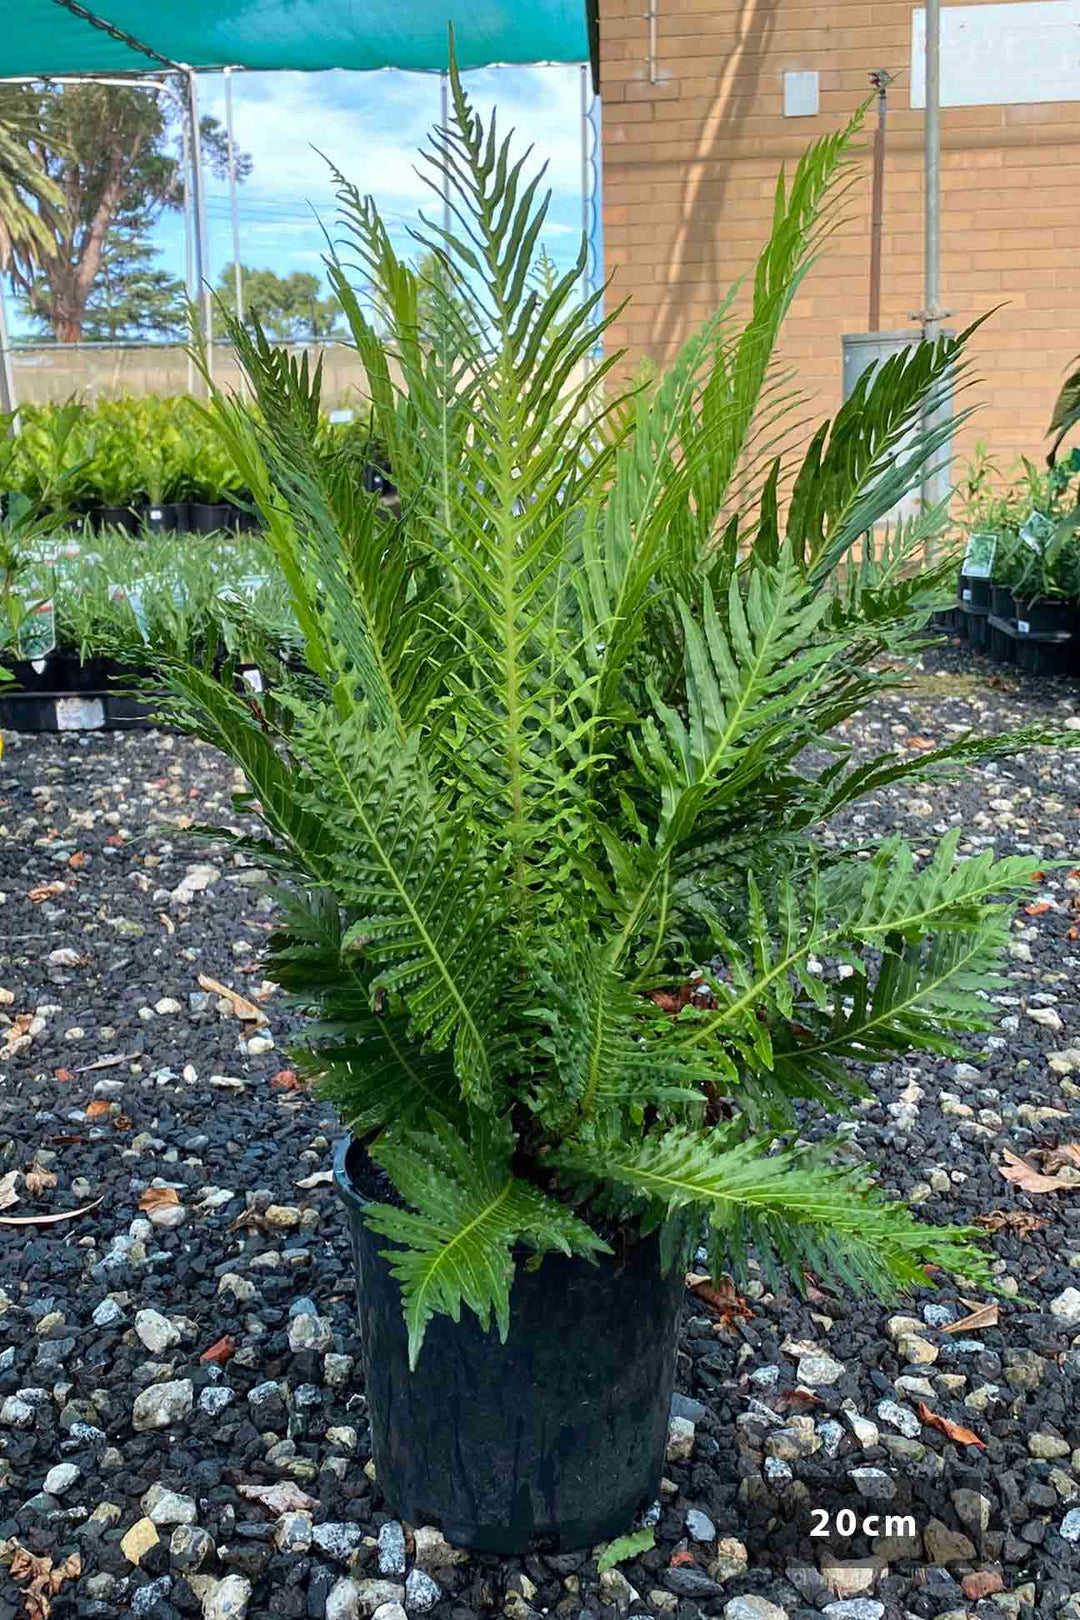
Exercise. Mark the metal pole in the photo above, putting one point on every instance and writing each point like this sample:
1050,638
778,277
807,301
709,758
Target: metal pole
189,245
881,80
202,266
935,478
230,148
8,400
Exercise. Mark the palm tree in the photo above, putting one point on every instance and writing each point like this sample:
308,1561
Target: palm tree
23,184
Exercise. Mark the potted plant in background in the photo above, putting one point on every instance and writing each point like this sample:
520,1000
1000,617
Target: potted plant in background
555,884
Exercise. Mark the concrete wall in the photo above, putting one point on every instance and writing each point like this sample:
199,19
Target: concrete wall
690,166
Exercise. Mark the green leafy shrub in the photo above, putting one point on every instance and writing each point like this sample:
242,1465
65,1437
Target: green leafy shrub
1033,516
556,885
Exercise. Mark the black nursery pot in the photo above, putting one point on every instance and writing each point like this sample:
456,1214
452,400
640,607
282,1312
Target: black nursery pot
117,517
1047,618
171,517
1002,605
204,519
980,592
560,1433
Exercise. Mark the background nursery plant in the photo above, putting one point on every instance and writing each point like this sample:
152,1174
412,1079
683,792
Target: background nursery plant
554,882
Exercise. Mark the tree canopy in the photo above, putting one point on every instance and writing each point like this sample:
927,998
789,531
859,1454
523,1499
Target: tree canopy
112,158
288,307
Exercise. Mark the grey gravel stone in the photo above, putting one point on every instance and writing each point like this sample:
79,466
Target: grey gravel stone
107,1314
190,1548
683,1406
1070,1525
214,1399
60,1478
873,1483
162,1405
145,1597
392,1549
900,1417
699,1527
166,1507
307,1332
855,1609
690,1582
753,1608
156,1331
337,1540
817,1371
421,1592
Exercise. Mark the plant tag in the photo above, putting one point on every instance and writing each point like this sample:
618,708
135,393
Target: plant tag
1037,531
979,557
79,714
155,514
967,594
38,665
1024,627
344,415
253,678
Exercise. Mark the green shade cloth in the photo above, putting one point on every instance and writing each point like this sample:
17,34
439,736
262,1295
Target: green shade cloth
42,37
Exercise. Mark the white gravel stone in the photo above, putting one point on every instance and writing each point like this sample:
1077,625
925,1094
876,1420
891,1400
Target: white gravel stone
310,1333
1047,1017
1070,1525
389,1611
1067,1307
162,1405
60,1478
156,1331
421,1592
431,1550
226,1599
900,1417
753,1608
166,1507
680,1440
391,1548
819,1370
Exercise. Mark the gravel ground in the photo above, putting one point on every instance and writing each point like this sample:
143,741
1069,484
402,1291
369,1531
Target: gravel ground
162,1480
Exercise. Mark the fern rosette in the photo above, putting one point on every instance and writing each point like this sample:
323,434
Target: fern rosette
546,841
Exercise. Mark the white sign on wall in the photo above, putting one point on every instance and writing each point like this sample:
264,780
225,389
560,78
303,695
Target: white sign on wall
1025,51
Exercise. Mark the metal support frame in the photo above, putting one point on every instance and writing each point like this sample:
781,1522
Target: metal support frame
935,479
206,314
8,402
230,148
881,80
590,194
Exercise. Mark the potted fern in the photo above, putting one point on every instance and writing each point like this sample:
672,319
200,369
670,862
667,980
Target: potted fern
553,877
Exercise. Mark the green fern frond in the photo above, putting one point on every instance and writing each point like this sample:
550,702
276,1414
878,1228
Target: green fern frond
799,1213
470,1212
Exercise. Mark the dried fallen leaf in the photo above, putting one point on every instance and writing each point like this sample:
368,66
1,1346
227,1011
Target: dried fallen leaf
158,1197
49,1220
98,1108
1057,1158
1038,908
723,1300
318,1178
39,1181
955,1431
221,1352
680,1558
983,1316
43,1580
1020,1221
282,1498
285,1080
1028,1179
166,922
244,1009
64,1075
109,1062
77,860
918,742
45,891
122,1122
8,1195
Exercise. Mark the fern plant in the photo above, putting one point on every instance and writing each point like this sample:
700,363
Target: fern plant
552,881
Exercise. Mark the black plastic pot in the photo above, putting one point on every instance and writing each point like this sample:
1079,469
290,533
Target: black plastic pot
206,519
1002,605
1047,618
979,593
171,517
559,1433
66,695
117,517
1001,643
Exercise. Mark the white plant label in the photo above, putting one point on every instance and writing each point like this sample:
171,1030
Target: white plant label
79,714
979,557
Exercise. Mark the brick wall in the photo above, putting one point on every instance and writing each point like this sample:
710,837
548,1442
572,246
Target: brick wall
690,165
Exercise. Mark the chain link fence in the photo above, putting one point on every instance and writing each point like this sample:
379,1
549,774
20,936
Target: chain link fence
53,372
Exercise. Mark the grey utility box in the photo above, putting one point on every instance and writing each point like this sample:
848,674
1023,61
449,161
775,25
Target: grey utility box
865,349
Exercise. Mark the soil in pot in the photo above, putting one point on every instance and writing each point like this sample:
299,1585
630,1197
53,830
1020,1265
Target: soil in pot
558,1434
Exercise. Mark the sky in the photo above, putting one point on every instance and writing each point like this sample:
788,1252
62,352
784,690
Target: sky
370,125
